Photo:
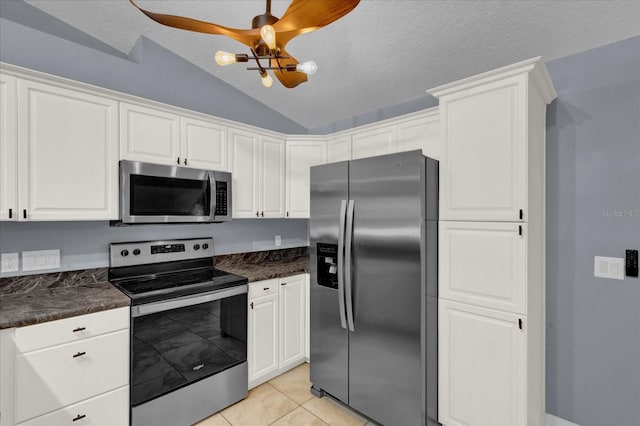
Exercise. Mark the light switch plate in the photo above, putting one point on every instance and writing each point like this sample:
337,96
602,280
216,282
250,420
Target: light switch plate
278,241
40,259
608,267
10,262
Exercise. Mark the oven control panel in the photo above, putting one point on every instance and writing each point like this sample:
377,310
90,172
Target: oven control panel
145,252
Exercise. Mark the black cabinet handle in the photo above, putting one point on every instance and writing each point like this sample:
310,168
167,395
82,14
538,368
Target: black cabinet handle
75,330
79,417
185,161
178,161
24,213
10,213
287,214
258,214
266,288
262,214
251,305
79,354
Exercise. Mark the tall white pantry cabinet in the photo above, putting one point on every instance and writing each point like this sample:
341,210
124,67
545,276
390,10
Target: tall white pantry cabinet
491,317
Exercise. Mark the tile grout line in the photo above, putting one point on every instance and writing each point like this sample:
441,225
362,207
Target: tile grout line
283,394
305,408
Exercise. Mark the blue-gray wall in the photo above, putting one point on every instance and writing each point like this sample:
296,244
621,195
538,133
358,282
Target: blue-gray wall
85,245
593,209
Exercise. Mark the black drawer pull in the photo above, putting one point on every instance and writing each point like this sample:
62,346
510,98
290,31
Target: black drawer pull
75,330
79,354
79,417
266,288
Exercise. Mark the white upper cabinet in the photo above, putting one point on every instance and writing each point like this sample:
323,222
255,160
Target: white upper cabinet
484,264
204,144
67,154
257,165
372,142
421,132
339,149
149,134
8,148
482,367
489,126
301,155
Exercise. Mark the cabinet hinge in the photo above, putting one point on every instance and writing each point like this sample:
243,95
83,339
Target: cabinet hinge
521,214
520,323
520,230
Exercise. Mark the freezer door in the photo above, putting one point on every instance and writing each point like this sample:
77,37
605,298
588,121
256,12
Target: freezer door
329,338
388,291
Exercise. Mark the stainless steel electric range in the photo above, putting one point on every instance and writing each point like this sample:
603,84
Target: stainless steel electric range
188,330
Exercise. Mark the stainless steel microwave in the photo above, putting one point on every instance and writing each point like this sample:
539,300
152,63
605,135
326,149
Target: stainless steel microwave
155,193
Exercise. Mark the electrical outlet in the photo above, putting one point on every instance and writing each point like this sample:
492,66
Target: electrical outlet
10,262
278,241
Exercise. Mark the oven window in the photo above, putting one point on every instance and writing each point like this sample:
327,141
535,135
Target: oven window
174,348
161,196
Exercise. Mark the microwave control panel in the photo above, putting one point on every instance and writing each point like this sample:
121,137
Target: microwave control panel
221,199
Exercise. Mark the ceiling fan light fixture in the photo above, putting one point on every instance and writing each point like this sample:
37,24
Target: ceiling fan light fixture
225,58
309,67
268,35
267,81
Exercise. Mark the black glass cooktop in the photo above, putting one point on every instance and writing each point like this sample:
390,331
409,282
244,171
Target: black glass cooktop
178,283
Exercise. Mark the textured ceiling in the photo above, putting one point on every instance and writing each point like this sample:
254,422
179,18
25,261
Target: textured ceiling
382,53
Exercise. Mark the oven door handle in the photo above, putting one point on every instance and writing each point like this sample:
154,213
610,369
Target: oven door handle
180,302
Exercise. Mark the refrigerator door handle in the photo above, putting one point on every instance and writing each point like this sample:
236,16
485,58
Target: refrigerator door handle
343,212
347,261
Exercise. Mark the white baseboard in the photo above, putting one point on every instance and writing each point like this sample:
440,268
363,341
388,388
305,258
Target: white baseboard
552,420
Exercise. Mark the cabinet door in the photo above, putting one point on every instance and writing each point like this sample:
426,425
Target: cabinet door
272,177
292,320
8,148
150,135
204,145
339,149
482,366
263,330
301,155
244,160
484,264
373,142
421,133
68,154
483,169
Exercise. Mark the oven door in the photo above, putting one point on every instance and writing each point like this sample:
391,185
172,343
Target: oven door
154,193
181,341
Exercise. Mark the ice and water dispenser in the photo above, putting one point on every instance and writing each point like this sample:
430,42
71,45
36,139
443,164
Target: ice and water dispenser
327,255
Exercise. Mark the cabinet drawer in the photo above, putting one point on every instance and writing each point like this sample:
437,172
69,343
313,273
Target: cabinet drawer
71,329
263,288
52,378
111,408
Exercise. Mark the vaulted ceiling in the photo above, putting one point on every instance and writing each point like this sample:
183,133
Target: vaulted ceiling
382,53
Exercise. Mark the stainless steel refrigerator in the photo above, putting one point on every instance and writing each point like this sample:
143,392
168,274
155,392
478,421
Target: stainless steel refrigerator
373,235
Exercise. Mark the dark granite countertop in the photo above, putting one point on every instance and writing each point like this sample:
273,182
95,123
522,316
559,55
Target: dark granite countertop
34,299
264,265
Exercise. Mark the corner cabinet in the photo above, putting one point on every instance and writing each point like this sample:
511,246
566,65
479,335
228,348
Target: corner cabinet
301,155
491,344
257,163
277,326
57,143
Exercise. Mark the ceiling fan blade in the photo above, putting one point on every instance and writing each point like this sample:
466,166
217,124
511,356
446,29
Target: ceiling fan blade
304,16
289,79
247,37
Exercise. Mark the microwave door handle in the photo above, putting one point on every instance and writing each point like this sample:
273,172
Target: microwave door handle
212,195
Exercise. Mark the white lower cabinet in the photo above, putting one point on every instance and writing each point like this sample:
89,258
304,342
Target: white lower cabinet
482,366
62,379
277,332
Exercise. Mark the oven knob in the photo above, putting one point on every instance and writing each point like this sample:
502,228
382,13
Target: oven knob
196,246
136,252
205,246
124,253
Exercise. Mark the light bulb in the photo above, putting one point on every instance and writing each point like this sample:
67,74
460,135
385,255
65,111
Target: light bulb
225,58
267,81
268,34
309,67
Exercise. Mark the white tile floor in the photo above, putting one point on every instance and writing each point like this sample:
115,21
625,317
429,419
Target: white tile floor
286,400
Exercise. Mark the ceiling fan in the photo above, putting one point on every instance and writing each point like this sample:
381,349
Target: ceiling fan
269,35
